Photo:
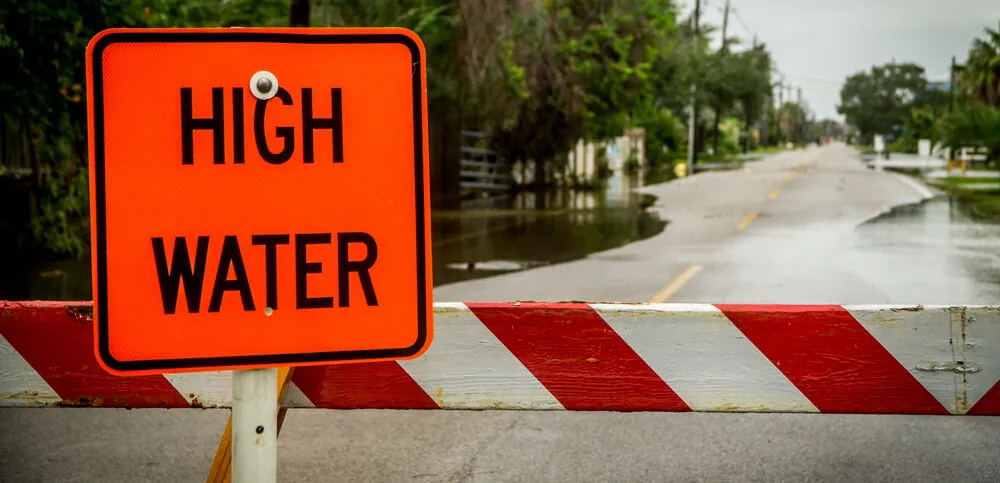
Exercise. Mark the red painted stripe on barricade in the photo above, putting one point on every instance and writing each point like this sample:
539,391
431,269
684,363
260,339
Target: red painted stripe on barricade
57,340
383,385
832,359
578,357
989,404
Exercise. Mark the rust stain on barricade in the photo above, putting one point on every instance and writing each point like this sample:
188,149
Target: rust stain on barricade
81,313
888,319
758,408
85,402
915,308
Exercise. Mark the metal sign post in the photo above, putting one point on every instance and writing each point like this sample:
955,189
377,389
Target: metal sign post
255,426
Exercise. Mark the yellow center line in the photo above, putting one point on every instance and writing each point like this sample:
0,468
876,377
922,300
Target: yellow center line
774,194
746,221
671,288
789,177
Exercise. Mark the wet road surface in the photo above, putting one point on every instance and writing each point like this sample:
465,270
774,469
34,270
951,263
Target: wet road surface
806,227
789,229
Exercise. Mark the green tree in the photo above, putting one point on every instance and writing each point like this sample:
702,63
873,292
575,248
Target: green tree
979,78
587,67
828,127
972,125
43,111
877,100
796,123
919,124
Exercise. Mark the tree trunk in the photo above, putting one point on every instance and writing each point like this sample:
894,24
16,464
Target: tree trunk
446,154
715,130
299,13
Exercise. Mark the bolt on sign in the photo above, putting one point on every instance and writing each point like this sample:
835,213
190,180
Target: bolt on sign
259,197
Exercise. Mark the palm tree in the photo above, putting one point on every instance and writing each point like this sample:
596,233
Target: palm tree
980,77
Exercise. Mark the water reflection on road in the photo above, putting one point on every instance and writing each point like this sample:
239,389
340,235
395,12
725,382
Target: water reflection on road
529,229
938,246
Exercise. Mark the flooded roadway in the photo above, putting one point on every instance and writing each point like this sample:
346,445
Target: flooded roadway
887,259
814,226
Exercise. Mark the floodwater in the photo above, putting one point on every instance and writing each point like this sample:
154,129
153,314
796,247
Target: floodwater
941,250
530,229
942,237
485,237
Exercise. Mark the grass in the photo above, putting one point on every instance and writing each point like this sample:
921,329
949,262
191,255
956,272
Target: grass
982,204
958,181
985,205
768,150
961,185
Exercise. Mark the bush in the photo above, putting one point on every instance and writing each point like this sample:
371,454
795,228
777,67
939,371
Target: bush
974,125
664,135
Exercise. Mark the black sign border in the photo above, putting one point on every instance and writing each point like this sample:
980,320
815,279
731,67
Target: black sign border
98,173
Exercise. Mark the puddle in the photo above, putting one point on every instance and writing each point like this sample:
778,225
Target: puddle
55,280
528,230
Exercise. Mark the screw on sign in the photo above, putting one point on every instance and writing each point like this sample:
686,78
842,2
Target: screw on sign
259,199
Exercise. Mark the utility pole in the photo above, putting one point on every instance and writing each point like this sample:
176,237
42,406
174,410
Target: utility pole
781,108
746,113
693,118
790,115
718,106
800,112
299,13
951,85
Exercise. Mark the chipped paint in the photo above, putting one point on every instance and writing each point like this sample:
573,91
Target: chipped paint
760,408
956,367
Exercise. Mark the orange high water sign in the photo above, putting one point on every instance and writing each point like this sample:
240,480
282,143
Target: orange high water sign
259,197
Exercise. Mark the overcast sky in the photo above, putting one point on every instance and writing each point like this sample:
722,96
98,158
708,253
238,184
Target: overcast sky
817,44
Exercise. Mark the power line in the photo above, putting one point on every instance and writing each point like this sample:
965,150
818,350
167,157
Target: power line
813,79
739,18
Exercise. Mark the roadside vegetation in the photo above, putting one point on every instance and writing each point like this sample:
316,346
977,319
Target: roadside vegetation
897,101
537,77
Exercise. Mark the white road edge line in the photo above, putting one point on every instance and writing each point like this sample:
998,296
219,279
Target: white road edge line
924,192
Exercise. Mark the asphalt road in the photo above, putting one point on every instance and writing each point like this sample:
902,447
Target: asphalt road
785,230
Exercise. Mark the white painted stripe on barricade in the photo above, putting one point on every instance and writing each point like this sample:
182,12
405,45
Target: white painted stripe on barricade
209,389
295,398
463,356
15,371
704,358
